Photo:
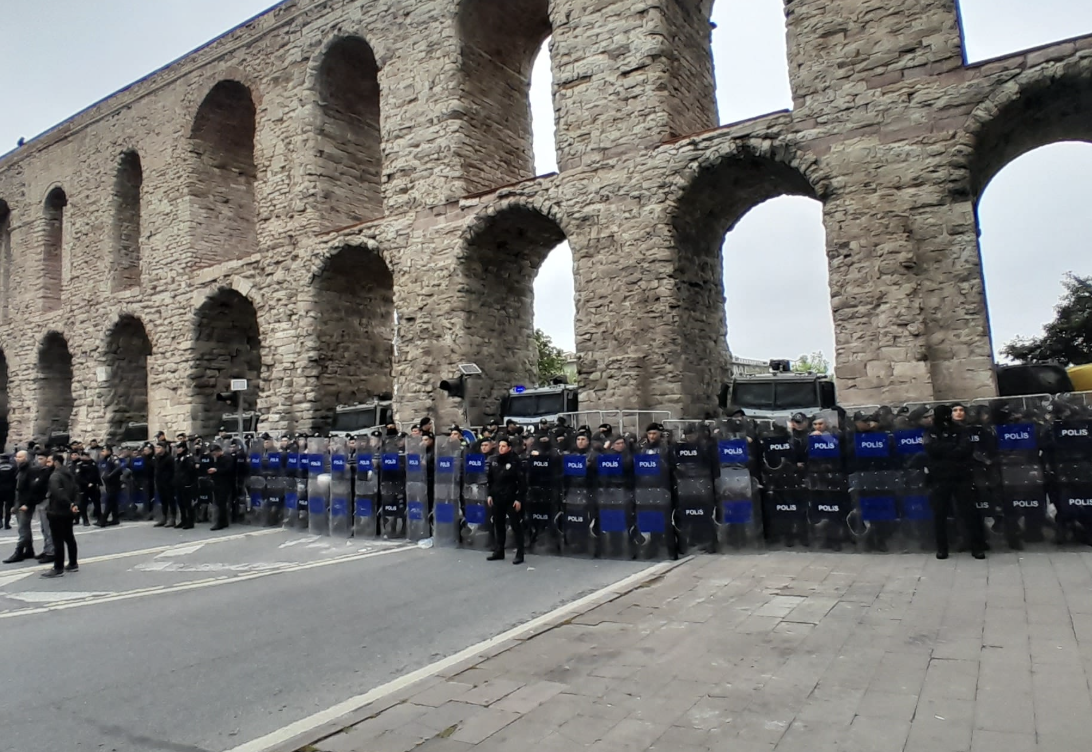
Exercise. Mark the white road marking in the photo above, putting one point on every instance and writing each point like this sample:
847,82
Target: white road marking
53,597
294,542
178,566
8,579
182,551
197,585
355,703
161,549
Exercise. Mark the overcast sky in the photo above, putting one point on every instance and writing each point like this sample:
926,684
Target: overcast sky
61,56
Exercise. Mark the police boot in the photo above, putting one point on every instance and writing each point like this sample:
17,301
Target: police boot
171,521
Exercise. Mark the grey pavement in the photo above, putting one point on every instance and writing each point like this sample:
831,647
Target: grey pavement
187,641
779,652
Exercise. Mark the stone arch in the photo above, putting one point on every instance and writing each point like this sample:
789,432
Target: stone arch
498,44
354,305
1039,107
719,190
349,149
221,189
55,400
226,344
502,251
6,261
125,258
53,237
127,350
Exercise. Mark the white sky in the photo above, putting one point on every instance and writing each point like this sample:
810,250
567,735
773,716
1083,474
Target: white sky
61,56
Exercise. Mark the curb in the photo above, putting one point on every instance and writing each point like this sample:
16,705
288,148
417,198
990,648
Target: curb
398,690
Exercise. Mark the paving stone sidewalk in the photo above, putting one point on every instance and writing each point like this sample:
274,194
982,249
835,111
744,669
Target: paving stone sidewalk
787,652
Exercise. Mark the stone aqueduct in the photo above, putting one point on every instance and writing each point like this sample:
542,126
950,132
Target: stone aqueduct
264,205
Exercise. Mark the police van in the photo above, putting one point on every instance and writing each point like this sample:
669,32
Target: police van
229,423
778,394
352,420
528,406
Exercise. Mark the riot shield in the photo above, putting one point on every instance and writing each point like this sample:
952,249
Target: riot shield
392,489
276,476
739,516
292,476
912,490
255,482
318,486
653,536
985,477
1071,467
784,494
417,511
366,491
134,488
1020,431
543,465
829,505
614,502
446,516
578,519
695,462
873,482
341,489
477,532
203,501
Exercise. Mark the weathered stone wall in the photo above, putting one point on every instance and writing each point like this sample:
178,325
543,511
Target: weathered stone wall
263,206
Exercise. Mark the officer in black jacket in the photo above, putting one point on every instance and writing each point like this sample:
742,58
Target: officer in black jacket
164,484
185,484
113,470
88,479
9,474
949,451
507,490
222,474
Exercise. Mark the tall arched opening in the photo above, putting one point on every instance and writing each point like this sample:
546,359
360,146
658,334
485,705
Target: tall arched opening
55,401
127,351
226,345
349,158
125,259
53,238
222,204
498,44
6,261
502,256
354,296
715,205
1028,179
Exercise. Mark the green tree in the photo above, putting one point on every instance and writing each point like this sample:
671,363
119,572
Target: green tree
1068,338
551,359
814,363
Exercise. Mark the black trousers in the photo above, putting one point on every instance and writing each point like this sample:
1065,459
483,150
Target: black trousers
184,498
61,528
111,507
90,497
956,497
504,511
222,496
166,501
7,508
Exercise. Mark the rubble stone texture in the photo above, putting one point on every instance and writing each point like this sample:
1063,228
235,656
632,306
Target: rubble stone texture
264,206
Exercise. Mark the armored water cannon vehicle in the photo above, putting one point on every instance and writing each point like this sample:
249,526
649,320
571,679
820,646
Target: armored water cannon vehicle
352,420
529,406
780,393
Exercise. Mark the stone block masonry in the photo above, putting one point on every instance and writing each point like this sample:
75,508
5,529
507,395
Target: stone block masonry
337,199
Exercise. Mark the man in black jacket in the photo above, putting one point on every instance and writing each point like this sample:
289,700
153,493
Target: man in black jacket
949,451
88,480
24,508
9,474
111,481
507,489
222,472
164,484
62,511
185,484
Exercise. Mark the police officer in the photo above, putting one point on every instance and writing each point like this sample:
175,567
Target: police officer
185,484
111,481
221,473
507,491
949,454
90,481
164,484
9,475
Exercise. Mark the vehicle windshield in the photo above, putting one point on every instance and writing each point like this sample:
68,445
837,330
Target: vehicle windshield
354,421
535,405
771,395
1036,378
229,422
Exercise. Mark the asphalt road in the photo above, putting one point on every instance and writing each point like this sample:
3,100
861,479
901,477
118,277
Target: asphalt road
188,641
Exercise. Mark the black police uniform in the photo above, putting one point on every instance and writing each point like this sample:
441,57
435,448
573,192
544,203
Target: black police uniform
507,485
